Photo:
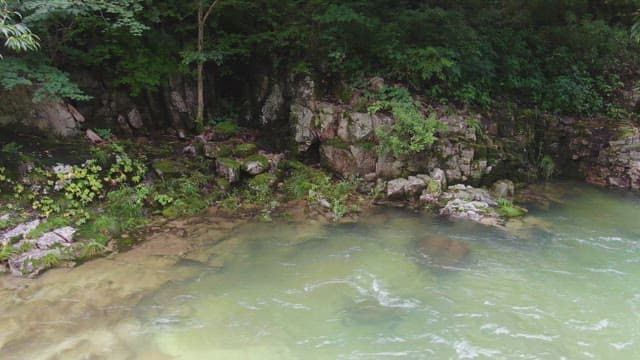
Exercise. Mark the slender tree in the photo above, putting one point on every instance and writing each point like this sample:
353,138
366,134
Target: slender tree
203,16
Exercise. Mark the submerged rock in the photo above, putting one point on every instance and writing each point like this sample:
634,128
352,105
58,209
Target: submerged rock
371,312
442,251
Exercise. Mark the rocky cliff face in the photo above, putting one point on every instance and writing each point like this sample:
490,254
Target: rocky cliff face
345,137
474,148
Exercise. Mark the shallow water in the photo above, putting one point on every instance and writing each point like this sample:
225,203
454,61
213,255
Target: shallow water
561,285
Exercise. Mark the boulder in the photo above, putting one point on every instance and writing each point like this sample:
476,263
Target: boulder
337,158
396,189
364,159
256,164
466,202
352,160
388,167
59,118
414,186
229,168
360,127
135,118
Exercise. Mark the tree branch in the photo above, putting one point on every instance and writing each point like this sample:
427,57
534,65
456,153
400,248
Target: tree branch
209,11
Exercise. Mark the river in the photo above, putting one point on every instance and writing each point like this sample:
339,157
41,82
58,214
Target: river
564,284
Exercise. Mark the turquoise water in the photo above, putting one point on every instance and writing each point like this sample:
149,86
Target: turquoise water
565,284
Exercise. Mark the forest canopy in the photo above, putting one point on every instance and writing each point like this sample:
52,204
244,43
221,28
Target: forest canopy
560,56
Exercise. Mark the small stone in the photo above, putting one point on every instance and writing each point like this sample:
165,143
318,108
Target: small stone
189,150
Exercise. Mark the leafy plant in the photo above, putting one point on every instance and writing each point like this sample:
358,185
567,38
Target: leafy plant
412,132
104,133
12,148
508,209
547,166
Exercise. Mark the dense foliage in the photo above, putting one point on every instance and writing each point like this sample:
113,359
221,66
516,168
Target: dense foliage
564,56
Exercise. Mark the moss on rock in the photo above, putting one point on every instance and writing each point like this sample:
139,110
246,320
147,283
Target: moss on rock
244,150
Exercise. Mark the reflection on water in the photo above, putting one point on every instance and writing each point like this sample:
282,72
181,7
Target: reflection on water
562,284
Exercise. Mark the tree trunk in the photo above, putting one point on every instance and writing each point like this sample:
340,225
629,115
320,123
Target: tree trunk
200,69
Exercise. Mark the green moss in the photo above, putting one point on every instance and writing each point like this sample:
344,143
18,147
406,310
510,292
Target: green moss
243,150
229,163
52,223
186,206
218,150
258,158
262,181
226,129
168,167
337,142
223,183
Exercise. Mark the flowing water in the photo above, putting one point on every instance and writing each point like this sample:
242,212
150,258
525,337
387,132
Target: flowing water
563,285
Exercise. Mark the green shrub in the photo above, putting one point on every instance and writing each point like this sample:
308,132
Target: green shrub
412,132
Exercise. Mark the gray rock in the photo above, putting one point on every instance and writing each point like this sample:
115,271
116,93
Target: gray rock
414,186
93,137
360,126
365,160
230,169
19,231
302,119
59,118
62,236
135,118
396,189
387,167
28,263
338,159
254,167
466,202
